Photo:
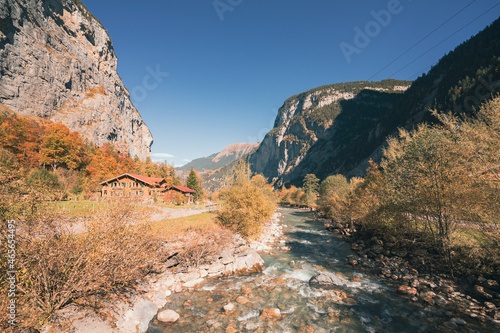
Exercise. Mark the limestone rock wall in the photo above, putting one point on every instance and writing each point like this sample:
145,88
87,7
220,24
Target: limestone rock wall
57,62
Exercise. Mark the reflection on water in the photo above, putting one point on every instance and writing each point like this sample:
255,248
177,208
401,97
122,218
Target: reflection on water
363,304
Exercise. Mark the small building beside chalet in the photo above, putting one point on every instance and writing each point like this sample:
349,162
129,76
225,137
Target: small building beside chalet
143,186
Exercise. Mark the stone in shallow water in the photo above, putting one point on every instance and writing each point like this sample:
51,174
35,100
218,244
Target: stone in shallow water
194,283
407,290
168,316
270,314
242,300
458,321
231,328
326,280
229,307
306,329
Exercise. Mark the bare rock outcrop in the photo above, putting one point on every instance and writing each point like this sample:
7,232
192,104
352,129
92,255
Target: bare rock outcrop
57,62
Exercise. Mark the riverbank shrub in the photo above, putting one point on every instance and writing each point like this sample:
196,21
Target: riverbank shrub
202,247
247,204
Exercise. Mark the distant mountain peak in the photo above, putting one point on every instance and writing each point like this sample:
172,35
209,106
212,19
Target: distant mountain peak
233,150
220,159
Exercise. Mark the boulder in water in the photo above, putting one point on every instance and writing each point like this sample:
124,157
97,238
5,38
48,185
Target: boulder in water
326,280
407,290
270,314
168,316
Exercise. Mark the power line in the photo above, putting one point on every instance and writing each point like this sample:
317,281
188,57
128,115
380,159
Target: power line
422,70
444,40
405,52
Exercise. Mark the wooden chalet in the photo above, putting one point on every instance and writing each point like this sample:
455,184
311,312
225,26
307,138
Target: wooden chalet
143,186
170,193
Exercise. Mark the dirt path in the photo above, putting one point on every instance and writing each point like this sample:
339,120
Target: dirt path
164,213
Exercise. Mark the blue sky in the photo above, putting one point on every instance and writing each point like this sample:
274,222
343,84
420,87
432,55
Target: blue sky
232,63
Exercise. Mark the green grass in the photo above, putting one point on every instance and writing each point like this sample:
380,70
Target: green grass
168,229
469,236
84,208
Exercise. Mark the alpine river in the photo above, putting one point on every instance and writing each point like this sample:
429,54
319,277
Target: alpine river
365,302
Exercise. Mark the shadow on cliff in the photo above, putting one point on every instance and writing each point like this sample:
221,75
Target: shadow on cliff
362,126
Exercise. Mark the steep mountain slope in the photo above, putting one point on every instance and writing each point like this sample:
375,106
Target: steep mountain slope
358,129
57,62
307,118
220,159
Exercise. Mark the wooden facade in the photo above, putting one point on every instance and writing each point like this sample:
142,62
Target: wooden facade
174,195
149,188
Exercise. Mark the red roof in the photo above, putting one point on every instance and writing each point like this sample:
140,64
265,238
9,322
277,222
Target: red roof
146,179
184,189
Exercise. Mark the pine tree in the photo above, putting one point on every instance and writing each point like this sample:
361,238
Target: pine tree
193,182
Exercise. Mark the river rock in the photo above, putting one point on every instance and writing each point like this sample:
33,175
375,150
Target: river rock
458,321
270,314
229,307
352,262
306,329
168,316
407,290
249,262
377,249
326,280
189,276
216,269
242,300
479,291
227,256
489,305
193,283
440,300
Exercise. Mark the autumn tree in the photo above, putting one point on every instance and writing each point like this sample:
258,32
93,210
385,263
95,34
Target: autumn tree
310,187
106,162
60,147
330,190
22,137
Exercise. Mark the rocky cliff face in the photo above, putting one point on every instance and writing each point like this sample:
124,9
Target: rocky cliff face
57,62
310,117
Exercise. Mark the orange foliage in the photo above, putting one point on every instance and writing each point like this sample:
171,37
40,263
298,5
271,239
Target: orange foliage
106,163
60,147
22,137
174,197
42,143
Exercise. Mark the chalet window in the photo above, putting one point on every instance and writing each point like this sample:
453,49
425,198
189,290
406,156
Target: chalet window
124,184
142,184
